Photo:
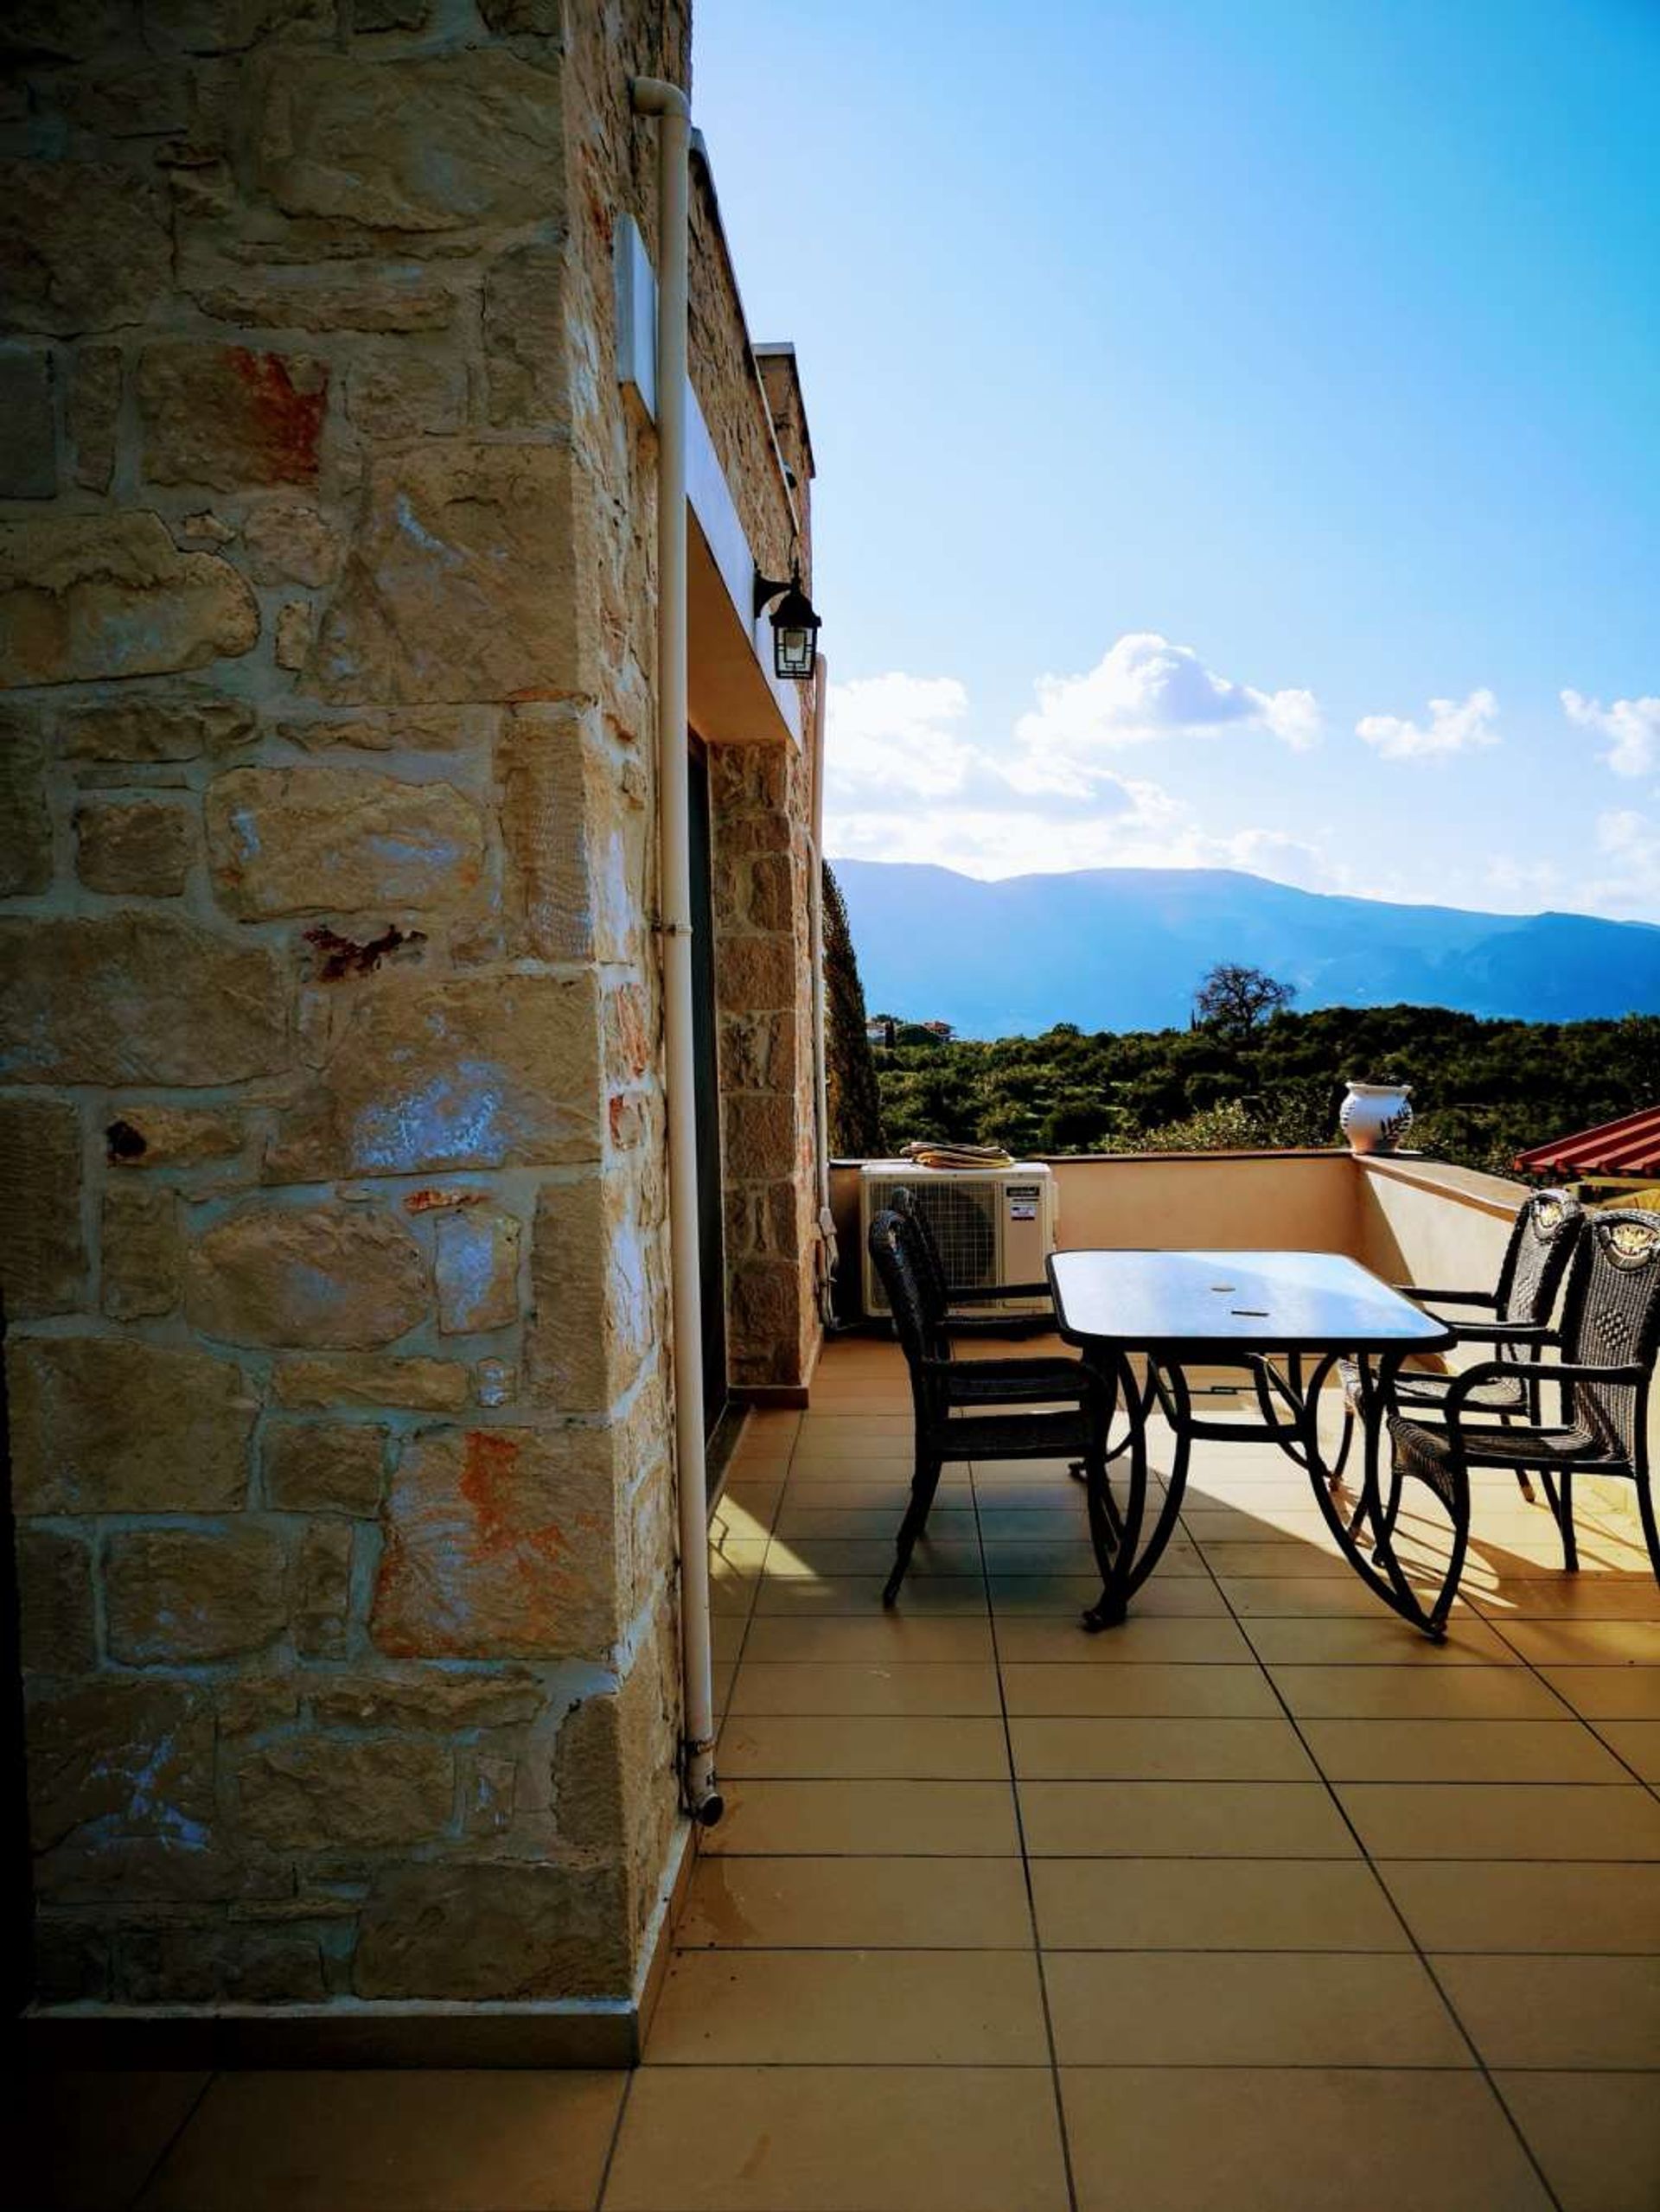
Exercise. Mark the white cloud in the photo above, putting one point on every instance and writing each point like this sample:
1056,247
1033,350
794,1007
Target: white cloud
1451,728
1633,725
1145,688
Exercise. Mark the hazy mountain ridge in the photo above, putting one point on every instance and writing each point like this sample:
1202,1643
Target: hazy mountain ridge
1120,948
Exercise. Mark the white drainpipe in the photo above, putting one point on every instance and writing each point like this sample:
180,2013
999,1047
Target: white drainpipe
653,97
820,1082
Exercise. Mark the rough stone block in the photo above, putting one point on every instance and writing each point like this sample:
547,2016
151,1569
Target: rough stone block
591,1322
489,1929
85,596
328,298
144,1135
93,414
476,1267
434,1697
325,1466
25,819
290,541
500,1544
43,1253
334,1277
225,416
28,437
479,1071
307,1792
435,142
137,998
112,1424
156,726
525,342
141,846
121,1792
759,974
462,580
233,26
400,394
761,1138
140,1270
321,1589
54,1589
249,1703
418,1385
72,1958
222,1964
182,1595
311,840
390,15
83,246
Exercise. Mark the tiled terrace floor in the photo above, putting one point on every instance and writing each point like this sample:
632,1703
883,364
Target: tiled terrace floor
1257,1901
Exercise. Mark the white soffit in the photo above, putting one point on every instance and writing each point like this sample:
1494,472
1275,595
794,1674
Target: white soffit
727,699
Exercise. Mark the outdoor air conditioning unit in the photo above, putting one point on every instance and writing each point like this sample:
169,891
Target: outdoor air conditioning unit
992,1225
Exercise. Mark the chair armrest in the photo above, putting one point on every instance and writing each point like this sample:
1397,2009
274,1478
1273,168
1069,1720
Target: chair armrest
986,1294
1581,1371
1505,1332
1445,1297
984,1371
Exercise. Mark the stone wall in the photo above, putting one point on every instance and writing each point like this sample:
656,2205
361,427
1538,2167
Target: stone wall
331,1197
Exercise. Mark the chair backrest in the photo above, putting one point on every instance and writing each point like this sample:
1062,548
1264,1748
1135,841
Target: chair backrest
1542,1243
1612,1318
893,1254
925,1252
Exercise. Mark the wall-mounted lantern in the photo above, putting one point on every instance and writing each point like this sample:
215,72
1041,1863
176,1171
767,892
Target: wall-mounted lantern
794,626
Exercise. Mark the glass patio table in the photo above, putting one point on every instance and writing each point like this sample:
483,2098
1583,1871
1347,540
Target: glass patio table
1287,1317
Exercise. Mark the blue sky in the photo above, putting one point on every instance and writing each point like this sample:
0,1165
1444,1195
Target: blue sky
1200,390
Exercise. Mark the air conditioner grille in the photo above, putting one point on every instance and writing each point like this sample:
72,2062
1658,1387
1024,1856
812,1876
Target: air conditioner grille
963,1218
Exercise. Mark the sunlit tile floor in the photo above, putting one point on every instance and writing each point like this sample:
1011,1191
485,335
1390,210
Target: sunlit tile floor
1260,1901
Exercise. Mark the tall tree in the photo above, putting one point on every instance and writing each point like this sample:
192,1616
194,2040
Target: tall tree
850,1071
1234,1000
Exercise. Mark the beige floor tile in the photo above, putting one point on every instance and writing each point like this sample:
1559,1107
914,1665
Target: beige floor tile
1209,1522
1585,1643
1381,1640
1460,1750
1038,1524
1035,1491
1212,1904
747,1509
370,2142
1143,1637
1502,1820
1595,2135
1274,1560
1337,1597
1416,1693
897,1636
833,1557
1316,2139
726,1635
887,1494
925,1749
858,1904
1150,1749
1637,1743
1067,1598
943,1687
850,2008
723,1675
1557,2010
1150,1690
1608,1692
1246,2008
1182,1820
946,1819
1572,1598
1068,1553
1525,1905
74,2141
848,2139
940,1596
871,1523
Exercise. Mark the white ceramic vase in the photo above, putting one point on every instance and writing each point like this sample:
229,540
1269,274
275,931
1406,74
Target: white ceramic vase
1375,1116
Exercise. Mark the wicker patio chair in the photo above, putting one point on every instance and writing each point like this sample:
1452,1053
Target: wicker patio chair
1039,1408
1610,1336
1514,1316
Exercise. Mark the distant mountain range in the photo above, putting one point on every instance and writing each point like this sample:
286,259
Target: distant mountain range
1123,948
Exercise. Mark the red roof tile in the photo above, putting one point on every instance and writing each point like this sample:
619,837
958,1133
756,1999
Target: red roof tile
1630,1146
